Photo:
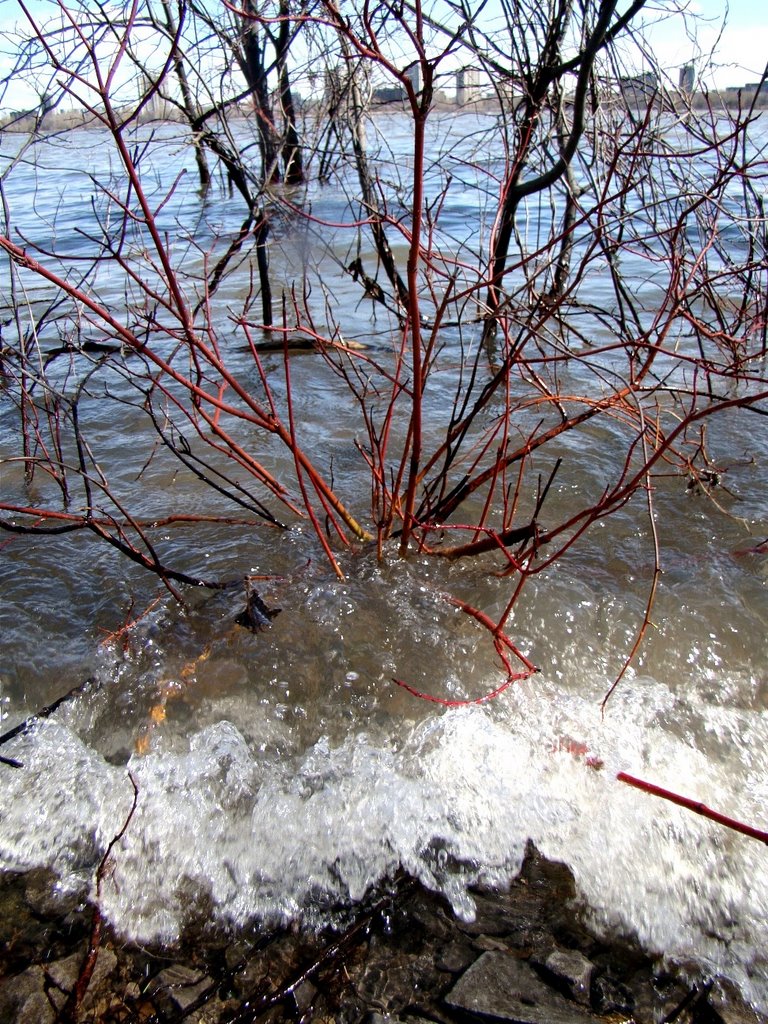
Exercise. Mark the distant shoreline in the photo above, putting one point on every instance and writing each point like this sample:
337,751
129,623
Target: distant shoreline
730,100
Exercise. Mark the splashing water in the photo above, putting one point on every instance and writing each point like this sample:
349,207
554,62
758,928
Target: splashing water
223,835
286,774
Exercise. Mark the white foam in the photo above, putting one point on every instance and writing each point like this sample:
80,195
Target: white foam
220,834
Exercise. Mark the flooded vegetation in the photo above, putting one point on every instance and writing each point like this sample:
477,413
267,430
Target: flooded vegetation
377,505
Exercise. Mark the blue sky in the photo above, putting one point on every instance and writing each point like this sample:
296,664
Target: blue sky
740,50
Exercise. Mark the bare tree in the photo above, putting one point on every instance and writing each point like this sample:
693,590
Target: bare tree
497,311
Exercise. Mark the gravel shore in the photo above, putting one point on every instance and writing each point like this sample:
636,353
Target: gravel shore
403,959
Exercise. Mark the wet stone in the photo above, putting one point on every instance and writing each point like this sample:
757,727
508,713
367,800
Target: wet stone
251,979
65,973
454,958
488,944
432,916
379,1018
415,963
237,953
569,971
262,973
26,930
44,897
503,988
725,1001
550,878
394,983
40,992
176,988
23,999
493,915
611,996
304,996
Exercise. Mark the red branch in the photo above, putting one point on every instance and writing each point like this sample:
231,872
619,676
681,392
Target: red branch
447,703
504,648
696,806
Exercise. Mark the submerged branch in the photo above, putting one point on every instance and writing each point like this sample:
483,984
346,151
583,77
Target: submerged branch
505,649
89,686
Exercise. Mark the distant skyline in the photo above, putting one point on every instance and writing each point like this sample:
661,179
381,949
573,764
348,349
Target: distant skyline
738,55
741,53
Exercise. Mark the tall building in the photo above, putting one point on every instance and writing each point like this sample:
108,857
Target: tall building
414,76
687,77
157,107
639,90
467,86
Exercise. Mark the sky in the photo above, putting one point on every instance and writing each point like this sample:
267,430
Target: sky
740,49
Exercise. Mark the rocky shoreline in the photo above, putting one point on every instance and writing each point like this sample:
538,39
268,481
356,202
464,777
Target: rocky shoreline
402,959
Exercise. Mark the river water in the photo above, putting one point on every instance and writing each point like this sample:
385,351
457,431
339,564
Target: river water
286,772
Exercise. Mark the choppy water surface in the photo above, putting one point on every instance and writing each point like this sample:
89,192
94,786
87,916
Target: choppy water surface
281,772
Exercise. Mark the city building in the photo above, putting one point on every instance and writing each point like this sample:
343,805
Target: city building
639,90
413,74
467,86
687,79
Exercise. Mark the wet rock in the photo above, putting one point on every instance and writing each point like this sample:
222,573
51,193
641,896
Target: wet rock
611,996
44,895
527,958
65,973
252,978
550,877
261,974
432,916
503,988
378,1018
533,914
394,983
40,992
569,971
304,996
33,927
454,958
237,954
24,1000
712,1003
494,914
132,991
487,943
727,1003
176,988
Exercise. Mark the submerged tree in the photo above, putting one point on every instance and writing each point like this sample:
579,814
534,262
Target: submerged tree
479,250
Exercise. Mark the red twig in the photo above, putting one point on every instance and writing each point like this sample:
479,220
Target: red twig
696,806
504,648
113,636
70,1012
448,703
